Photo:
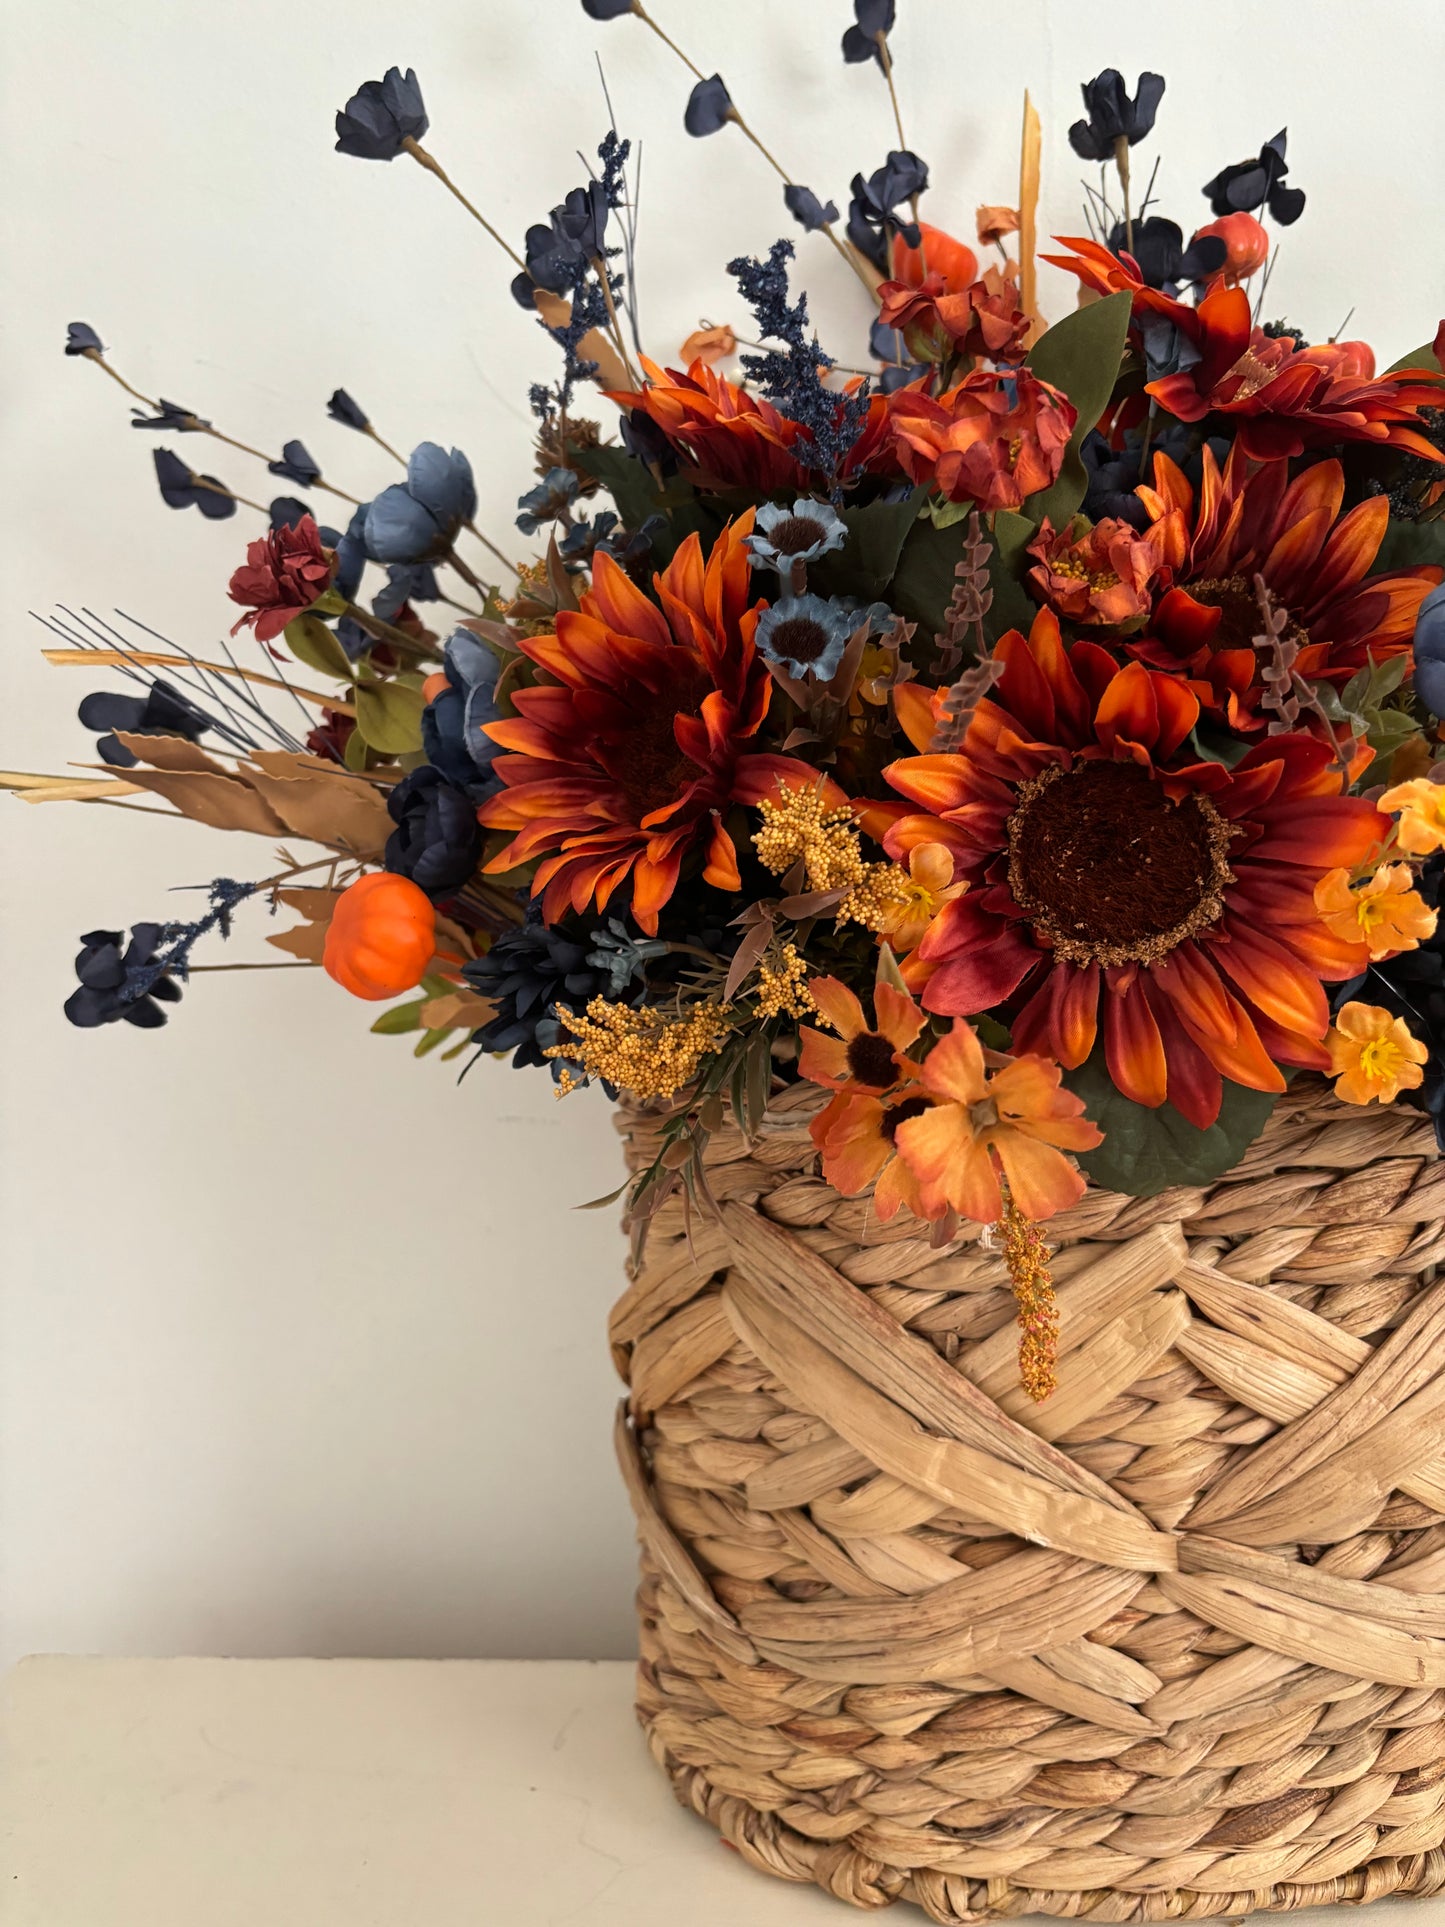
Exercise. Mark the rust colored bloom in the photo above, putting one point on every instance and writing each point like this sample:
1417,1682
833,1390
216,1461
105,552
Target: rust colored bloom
1384,911
731,438
1374,1056
859,1057
285,571
1246,245
984,321
857,1133
1111,878
994,439
939,253
1097,573
624,760
1315,561
1282,399
1017,1122
994,223
709,345
1420,806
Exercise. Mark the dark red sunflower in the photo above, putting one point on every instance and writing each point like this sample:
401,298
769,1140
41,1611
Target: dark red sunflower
1110,878
627,755
732,438
1316,562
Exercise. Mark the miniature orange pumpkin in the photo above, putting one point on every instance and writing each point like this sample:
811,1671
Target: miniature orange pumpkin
381,938
940,254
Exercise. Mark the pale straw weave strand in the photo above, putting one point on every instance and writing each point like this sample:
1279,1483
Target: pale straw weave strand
1170,1646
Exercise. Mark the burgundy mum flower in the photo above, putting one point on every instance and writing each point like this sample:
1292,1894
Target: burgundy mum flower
283,574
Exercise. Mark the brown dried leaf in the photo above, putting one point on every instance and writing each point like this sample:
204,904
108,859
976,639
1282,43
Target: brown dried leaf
326,805
747,957
456,938
220,801
594,345
463,1008
170,752
306,940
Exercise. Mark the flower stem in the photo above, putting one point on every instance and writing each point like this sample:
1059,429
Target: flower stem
1121,162
388,633
434,166
301,963
151,659
886,61
605,282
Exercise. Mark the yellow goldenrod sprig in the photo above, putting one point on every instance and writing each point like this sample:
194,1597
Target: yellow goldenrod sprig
650,1052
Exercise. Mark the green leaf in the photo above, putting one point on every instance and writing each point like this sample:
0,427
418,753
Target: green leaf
1145,1151
428,1042
311,642
1409,544
1012,607
399,1019
1423,357
1080,354
388,716
868,560
599,1204
355,753
630,483
923,582
943,514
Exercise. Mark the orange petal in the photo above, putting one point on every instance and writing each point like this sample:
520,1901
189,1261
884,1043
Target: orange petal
1133,1048
954,1067
838,1006
1041,1179
952,1167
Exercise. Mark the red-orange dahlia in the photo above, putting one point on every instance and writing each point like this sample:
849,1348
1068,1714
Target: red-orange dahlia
1316,562
993,438
984,321
626,757
1106,872
734,439
1100,572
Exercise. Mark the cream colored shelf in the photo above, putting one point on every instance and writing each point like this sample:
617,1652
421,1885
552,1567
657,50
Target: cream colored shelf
371,1793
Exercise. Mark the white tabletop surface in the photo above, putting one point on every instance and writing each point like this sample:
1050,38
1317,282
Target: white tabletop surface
371,1793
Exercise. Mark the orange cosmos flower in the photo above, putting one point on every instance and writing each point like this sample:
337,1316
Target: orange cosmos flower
626,757
1420,806
729,437
1112,879
1374,1056
709,345
930,885
993,439
939,253
985,321
857,1134
1315,561
1385,911
1018,1122
1100,572
994,223
859,1057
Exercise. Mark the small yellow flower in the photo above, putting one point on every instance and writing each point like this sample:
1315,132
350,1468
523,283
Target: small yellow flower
1420,806
1373,1056
1385,912
929,886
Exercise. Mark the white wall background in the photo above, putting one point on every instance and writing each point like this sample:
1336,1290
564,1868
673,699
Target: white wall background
303,1346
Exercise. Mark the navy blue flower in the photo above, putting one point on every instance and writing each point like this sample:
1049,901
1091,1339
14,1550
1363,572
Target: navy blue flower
120,984
351,556
162,711
874,17
405,582
606,9
454,722
353,638
182,488
783,538
381,116
805,635
1430,651
872,215
287,510
1163,259
169,414
437,840
584,538
527,973
81,339
560,250
1254,184
1112,116
804,206
417,520
552,497
642,437
631,549
709,107
341,408
296,465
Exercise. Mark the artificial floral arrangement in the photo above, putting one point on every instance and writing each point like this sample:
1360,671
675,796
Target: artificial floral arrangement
997,786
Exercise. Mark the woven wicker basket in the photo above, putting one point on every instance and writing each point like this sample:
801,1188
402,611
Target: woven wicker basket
1169,1646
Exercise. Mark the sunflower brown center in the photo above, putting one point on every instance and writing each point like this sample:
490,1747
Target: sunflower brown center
1111,871
799,639
1241,622
897,1114
644,759
870,1060
795,533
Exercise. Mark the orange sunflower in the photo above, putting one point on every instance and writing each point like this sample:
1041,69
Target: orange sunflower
732,438
1315,561
1110,878
625,757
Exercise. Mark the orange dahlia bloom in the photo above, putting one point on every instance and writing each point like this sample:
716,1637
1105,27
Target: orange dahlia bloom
1315,561
1111,878
626,756
1385,912
1017,1122
1283,399
993,439
984,321
1099,572
732,438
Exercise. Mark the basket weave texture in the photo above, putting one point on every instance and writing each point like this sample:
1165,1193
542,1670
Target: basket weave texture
1168,1646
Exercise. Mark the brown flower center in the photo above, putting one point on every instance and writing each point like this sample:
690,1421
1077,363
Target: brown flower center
799,639
644,759
795,533
1111,871
897,1114
870,1060
1241,622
